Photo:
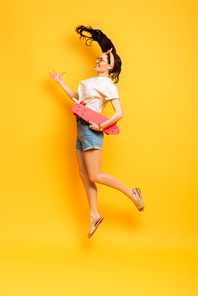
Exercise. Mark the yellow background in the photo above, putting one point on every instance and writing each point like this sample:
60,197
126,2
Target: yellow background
44,213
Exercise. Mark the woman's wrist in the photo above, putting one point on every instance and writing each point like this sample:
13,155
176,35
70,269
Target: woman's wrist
100,128
61,82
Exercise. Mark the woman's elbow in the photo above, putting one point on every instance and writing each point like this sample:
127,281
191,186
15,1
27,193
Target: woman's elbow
120,116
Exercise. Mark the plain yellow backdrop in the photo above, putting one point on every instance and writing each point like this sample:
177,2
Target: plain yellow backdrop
43,204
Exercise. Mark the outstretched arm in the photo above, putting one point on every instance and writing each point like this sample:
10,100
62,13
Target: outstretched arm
59,80
118,114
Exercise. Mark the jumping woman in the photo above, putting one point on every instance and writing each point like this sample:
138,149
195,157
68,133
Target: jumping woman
97,92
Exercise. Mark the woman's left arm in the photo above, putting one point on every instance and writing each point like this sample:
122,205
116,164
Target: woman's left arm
118,114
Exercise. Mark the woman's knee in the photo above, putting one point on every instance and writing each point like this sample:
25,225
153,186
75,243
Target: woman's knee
83,174
94,177
91,177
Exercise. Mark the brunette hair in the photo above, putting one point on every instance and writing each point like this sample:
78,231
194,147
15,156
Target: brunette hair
105,44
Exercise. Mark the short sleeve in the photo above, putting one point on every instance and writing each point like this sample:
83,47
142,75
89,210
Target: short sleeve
111,92
107,90
80,91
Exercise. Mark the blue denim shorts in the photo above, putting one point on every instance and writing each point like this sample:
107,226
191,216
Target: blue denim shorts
86,137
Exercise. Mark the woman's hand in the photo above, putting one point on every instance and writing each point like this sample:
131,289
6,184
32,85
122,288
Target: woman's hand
94,126
56,77
59,80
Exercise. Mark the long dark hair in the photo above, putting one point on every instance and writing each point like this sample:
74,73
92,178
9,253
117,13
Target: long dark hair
105,44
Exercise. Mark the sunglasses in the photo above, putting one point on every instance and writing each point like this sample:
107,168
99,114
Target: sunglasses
99,59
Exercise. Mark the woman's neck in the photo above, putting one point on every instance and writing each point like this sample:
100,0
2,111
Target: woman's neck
104,74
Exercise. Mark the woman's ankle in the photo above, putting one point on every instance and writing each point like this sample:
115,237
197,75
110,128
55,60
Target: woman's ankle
92,215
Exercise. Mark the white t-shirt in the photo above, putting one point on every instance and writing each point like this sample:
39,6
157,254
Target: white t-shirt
97,92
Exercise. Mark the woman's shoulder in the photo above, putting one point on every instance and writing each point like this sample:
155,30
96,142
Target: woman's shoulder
87,81
98,79
99,82
106,82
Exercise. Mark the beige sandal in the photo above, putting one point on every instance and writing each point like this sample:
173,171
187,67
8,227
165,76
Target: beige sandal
139,203
94,225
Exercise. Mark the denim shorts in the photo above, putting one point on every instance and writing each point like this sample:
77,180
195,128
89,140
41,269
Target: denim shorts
86,137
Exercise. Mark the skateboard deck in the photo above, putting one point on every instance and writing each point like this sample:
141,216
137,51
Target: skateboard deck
90,115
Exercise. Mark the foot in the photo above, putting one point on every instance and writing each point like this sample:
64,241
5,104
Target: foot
94,223
137,199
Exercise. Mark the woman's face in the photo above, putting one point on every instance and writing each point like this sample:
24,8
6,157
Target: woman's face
102,65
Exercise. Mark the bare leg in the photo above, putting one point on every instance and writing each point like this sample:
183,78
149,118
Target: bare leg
90,187
93,163
90,172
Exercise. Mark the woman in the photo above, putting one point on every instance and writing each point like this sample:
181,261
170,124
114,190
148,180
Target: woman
96,92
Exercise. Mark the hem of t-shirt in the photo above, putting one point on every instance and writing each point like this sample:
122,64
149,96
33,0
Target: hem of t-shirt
108,99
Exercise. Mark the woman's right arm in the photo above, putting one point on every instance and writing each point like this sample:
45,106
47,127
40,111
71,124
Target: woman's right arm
59,80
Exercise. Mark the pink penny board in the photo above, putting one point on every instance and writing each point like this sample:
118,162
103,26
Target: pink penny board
88,114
